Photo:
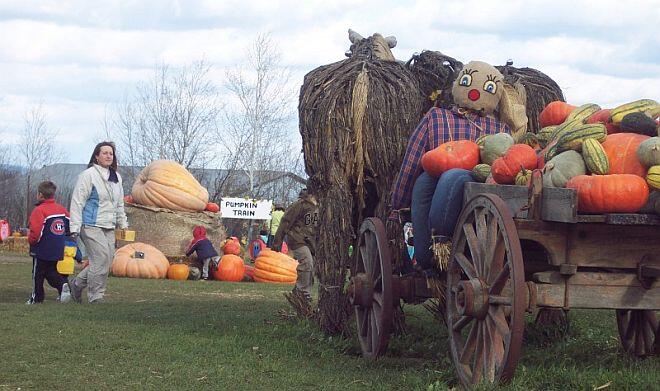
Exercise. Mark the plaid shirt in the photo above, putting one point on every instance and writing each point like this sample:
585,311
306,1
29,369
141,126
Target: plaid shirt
437,127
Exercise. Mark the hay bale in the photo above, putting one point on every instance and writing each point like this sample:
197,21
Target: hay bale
355,119
15,244
171,231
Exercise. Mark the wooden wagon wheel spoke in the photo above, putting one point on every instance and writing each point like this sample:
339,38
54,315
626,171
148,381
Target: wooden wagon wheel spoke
370,289
475,248
462,322
478,365
485,281
638,331
466,265
470,344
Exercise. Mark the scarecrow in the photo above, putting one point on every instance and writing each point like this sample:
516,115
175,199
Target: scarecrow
435,203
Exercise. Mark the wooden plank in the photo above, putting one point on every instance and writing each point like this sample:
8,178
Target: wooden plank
552,236
632,219
598,297
557,204
591,279
604,245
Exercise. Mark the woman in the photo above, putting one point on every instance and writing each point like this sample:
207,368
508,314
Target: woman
97,207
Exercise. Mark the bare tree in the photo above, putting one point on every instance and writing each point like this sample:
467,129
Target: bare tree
169,117
257,129
35,150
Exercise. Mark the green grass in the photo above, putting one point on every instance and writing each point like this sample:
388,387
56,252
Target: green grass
161,334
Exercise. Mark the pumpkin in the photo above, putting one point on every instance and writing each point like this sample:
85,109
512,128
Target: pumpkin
561,168
648,152
128,199
621,150
231,268
603,117
555,113
167,184
495,146
178,271
139,260
212,207
231,246
519,156
595,157
653,177
616,193
273,266
452,154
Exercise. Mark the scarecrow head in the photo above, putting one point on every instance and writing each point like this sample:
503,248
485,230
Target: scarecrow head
478,87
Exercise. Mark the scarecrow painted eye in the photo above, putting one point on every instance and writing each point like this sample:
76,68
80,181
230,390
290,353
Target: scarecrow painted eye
466,80
490,86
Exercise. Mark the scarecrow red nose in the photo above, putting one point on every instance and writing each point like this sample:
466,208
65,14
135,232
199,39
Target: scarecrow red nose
473,94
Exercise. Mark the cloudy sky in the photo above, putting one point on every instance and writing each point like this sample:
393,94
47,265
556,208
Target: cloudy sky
77,58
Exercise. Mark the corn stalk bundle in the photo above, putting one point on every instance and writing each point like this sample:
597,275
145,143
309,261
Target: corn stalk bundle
355,117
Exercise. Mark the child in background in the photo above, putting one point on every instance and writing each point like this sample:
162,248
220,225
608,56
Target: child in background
206,253
49,223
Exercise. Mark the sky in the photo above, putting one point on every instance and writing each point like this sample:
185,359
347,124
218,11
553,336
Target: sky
79,58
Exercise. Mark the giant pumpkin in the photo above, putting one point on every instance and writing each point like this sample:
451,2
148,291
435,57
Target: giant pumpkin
273,266
139,260
167,184
621,150
618,193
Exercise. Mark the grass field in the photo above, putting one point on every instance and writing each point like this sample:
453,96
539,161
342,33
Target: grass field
162,334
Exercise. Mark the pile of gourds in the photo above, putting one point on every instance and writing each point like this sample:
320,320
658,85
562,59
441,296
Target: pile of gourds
611,157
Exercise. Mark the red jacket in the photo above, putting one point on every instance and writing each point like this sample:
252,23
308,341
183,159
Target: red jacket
49,225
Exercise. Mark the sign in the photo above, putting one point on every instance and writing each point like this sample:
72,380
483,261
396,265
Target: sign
245,208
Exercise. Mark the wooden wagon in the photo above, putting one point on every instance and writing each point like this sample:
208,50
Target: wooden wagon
516,249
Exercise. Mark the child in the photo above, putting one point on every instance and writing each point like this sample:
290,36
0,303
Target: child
49,223
205,251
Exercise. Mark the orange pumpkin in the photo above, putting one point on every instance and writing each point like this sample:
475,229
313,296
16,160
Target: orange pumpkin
452,154
231,268
139,260
617,193
516,158
621,150
212,207
555,113
231,246
273,266
178,271
603,117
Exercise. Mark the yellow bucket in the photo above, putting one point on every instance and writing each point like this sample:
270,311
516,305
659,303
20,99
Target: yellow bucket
125,235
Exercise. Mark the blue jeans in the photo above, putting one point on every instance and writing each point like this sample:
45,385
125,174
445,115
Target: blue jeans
436,204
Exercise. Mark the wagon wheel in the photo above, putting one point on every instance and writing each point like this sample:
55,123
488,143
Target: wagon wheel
639,332
370,289
486,293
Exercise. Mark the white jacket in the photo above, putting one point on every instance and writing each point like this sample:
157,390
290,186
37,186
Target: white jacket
96,201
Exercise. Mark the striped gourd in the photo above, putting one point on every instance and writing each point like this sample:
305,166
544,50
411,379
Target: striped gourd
480,172
523,177
543,136
573,139
528,138
653,177
480,140
595,157
565,127
583,112
638,106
